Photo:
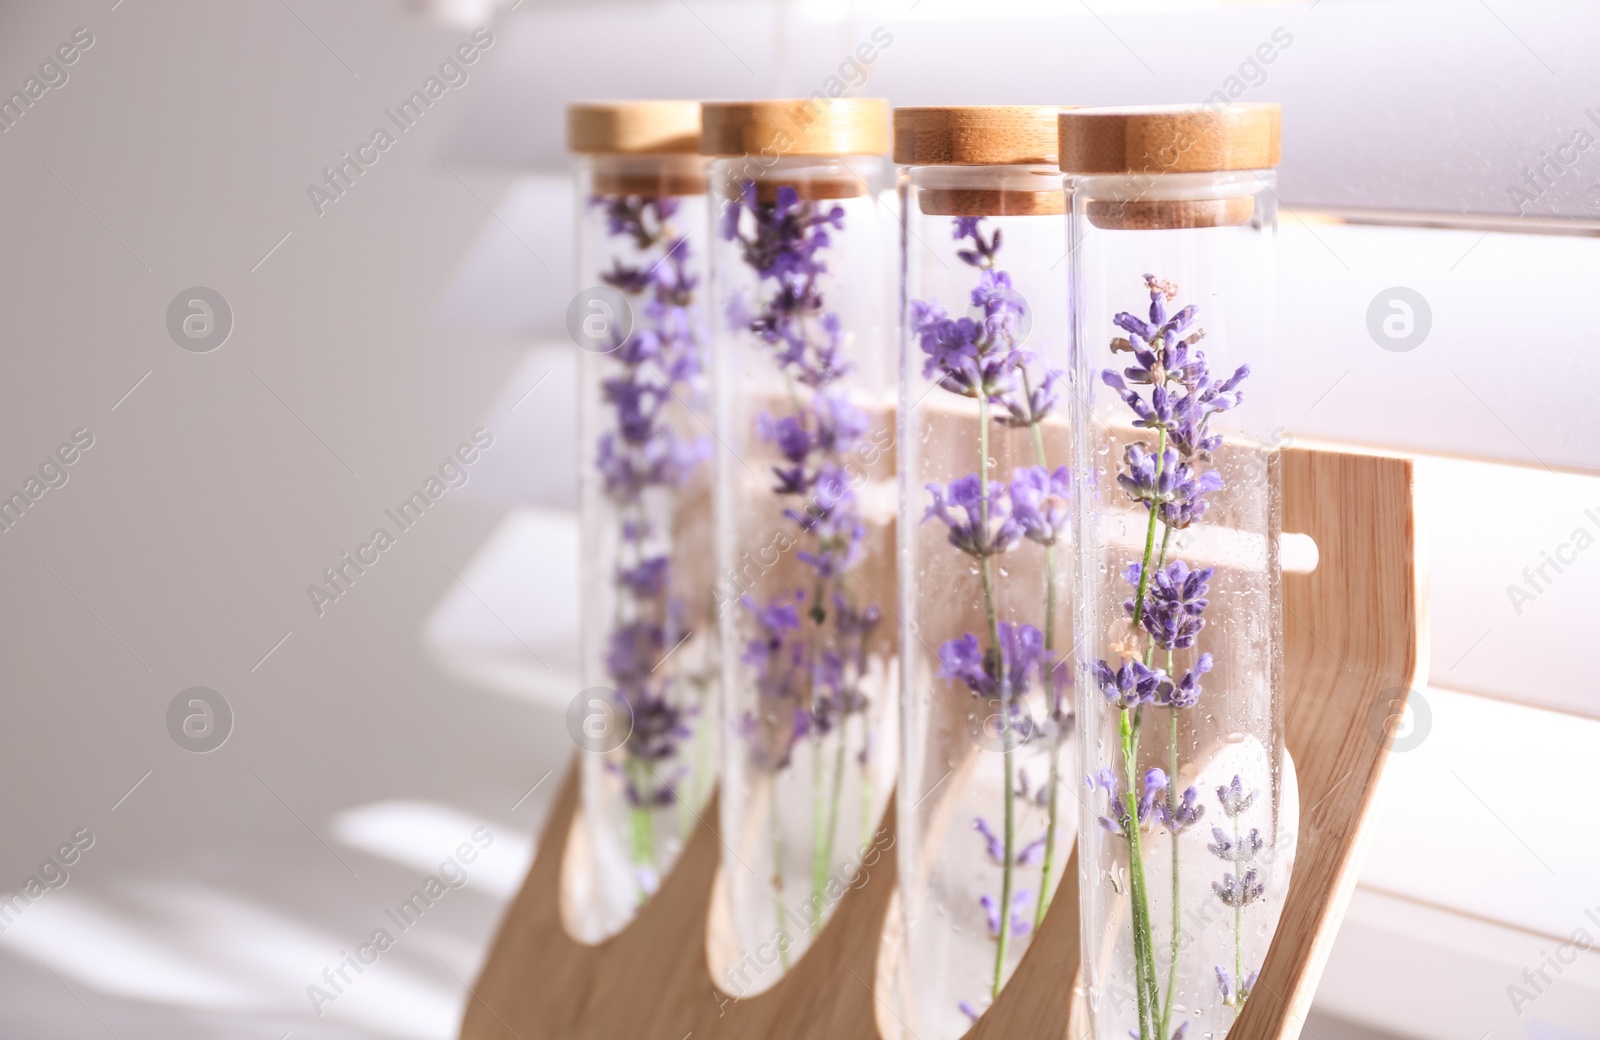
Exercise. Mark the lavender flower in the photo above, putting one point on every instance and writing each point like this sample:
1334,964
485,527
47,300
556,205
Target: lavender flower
1239,891
634,651
1179,818
1006,673
1167,484
1235,851
1187,691
1170,392
994,848
1039,502
836,690
978,355
1155,782
1026,403
981,356
645,579
1020,924
992,844
1224,987
1174,604
974,535
642,462
1234,799
785,242
1130,685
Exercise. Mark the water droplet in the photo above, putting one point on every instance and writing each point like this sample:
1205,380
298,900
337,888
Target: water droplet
1235,737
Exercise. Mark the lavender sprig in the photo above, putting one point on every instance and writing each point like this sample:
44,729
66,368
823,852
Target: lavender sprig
1169,390
980,356
641,454
1240,886
785,242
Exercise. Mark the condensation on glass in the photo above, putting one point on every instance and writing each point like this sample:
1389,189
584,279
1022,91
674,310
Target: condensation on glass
804,233
646,719
988,802
1186,845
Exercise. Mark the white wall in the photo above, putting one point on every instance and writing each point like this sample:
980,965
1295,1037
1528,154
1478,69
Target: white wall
180,549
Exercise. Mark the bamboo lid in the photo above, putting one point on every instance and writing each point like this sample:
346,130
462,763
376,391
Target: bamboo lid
634,127
991,202
976,135
810,126
1170,139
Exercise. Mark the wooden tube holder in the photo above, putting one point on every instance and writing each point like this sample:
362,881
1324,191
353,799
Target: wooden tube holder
1352,652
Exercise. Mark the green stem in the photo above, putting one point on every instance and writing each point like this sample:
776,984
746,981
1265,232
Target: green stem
1149,538
1172,786
819,863
777,877
642,828
867,822
985,570
1144,966
1010,840
1048,868
1151,1012
834,798
1238,921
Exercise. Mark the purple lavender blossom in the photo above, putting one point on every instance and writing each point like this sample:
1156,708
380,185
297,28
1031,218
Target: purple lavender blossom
1154,784
634,651
1027,402
1039,501
1239,891
1174,604
1007,673
982,356
645,579
1186,693
1020,925
1245,848
1168,484
1234,799
815,672
836,689
1130,685
1179,818
778,656
643,455
1224,986
658,726
988,528
978,355
1170,392
1029,855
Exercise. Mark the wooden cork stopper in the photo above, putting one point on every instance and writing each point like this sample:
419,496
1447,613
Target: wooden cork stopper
976,135
991,202
811,189
1148,142
1170,139
667,180
634,127
1146,214
809,126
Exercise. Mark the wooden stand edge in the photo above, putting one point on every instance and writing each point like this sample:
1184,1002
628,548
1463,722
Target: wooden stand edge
1352,650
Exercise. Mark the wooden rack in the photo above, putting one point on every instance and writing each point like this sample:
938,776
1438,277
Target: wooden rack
1352,632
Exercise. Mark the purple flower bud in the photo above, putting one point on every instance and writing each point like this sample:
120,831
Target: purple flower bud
1234,799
